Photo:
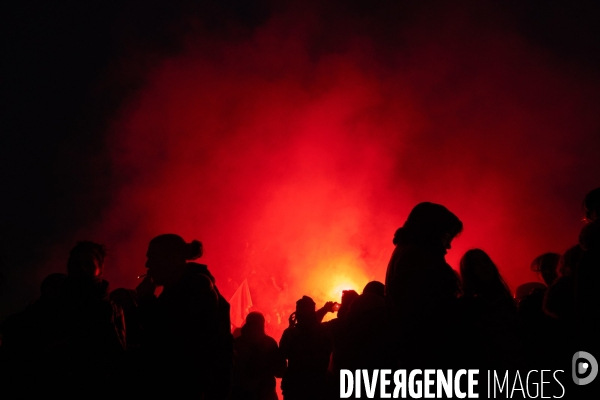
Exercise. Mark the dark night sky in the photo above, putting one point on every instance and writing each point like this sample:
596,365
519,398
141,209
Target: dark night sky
65,74
70,69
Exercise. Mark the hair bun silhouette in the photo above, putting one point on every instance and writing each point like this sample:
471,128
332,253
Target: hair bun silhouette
195,250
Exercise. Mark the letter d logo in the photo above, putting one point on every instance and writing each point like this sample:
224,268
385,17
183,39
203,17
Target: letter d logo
584,363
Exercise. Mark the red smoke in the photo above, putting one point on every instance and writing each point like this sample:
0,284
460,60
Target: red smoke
295,153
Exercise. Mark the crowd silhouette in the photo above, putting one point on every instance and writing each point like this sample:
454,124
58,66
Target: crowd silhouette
80,338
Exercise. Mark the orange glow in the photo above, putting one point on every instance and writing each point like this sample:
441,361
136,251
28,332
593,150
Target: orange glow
345,284
331,277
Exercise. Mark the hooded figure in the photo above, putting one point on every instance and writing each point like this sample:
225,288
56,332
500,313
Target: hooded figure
258,362
421,288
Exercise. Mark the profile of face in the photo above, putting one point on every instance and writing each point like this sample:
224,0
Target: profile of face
97,268
447,241
89,265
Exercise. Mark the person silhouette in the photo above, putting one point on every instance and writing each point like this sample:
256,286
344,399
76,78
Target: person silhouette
490,314
184,349
546,266
306,346
25,337
559,297
87,335
587,289
258,362
421,288
366,340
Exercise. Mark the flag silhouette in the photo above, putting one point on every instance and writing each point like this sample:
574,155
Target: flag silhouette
240,303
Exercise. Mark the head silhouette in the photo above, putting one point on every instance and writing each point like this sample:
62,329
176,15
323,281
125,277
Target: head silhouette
375,287
480,276
167,255
305,310
255,325
568,261
546,265
86,260
52,285
589,236
348,297
591,205
526,289
429,223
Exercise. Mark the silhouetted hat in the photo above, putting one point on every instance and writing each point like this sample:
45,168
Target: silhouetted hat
429,220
